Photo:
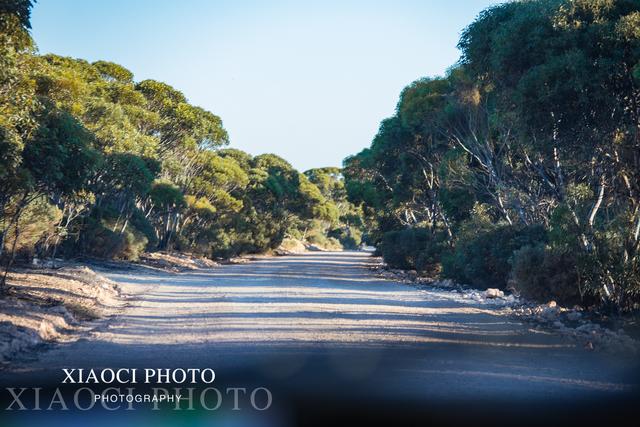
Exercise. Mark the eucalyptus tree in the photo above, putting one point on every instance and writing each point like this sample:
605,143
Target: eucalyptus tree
57,163
346,224
17,103
566,74
536,126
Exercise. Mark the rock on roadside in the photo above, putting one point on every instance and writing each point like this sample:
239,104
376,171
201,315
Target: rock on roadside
493,293
571,322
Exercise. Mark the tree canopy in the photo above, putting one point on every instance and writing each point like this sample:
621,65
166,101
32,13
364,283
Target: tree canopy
535,128
117,166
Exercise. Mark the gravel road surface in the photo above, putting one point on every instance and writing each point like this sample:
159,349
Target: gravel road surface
321,327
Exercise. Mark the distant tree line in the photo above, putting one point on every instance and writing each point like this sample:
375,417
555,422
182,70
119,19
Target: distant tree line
521,167
94,163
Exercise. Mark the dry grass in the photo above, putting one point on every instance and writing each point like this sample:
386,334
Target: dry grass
176,261
290,246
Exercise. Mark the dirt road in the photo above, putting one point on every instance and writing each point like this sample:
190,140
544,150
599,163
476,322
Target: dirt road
322,325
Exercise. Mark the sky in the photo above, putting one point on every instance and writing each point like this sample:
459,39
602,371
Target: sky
308,81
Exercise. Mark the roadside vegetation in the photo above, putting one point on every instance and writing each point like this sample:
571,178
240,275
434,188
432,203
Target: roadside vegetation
520,168
95,163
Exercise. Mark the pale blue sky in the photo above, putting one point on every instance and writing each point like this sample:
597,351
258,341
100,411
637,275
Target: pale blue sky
309,81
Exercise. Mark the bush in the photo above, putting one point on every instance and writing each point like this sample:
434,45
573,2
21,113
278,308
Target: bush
413,249
142,225
611,259
333,244
483,260
316,237
99,241
134,243
223,245
36,225
292,245
349,237
543,274
38,222
102,242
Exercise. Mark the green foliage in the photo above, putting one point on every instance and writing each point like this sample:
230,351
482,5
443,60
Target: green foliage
129,174
340,219
413,249
19,9
349,237
60,157
15,23
103,242
543,274
111,71
166,196
535,128
18,104
134,244
482,259
140,223
133,165
37,224
320,239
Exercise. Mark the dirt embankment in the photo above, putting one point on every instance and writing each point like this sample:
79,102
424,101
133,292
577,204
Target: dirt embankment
47,305
175,261
44,305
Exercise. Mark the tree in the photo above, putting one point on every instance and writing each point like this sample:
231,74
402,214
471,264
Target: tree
57,163
113,166
536,126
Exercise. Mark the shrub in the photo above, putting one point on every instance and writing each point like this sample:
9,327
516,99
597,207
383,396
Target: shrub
543,274
142,225
483,260
349,237
102,242
413,249
429,260
99,241
222,246
610,262
292,245
317,237
36,225
333,244
134,243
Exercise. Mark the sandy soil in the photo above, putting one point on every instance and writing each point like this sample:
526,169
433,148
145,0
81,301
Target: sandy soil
46,306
